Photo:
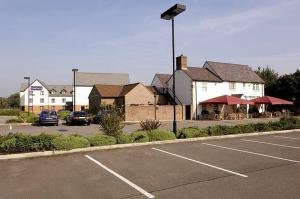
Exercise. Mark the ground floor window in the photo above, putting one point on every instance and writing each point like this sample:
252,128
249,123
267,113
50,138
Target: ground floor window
41,108
52,107
30,108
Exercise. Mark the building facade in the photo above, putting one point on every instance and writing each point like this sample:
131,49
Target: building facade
195,85
39,96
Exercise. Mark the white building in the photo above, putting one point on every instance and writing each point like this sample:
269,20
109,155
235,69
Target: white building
85,81
42,96
195,85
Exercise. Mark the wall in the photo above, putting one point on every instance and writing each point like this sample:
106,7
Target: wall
156,82
162,113
183,87
139,95
82,95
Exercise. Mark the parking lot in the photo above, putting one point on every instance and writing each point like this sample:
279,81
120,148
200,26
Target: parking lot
251,167
129,127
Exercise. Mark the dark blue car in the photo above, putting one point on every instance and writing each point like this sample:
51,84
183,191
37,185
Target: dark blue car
48,117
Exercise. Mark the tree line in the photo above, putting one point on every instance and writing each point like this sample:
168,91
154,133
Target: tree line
285,86
13,101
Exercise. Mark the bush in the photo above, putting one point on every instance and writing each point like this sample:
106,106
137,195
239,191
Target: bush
17,120
261,127
247,128
101,140
64,142
124,138
160,134
9,112
289,123
220,130
149,125
31,118
112,122
63,114
192,132
139,136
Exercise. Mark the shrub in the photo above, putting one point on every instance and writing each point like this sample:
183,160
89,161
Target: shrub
31,118
64,142
192,132
139,136
219,130
8,145
124,138
149,125
63,114
15,120
261,127
289,123
9,112
44,142
160,134
112,122
101,140
247,128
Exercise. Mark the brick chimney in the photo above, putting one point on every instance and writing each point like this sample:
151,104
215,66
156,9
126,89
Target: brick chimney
181,62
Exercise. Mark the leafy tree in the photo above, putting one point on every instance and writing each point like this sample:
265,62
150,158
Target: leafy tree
269,76
14,100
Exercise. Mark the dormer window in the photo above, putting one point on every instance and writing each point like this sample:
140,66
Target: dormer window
63,91
52,91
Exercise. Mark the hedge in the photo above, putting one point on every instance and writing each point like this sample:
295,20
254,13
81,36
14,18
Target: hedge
160,134
9,112
14,120
17,143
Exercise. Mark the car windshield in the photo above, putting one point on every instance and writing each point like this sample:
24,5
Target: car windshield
53,113
45,112
80,113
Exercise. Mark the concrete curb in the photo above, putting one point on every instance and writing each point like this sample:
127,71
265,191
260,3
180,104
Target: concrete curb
16,124
120,146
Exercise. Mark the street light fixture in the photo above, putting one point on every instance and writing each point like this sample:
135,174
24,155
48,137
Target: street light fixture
28,98
170,14
74,88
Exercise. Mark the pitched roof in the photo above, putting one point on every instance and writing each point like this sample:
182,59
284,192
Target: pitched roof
109,90
153,89
59,89
90,79
163,78
24,86
127,88
201,74
234,72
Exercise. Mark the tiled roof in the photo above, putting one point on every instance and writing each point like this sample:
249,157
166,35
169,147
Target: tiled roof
90,79
234,72
127,88
109,90
201,74
60,90
163,78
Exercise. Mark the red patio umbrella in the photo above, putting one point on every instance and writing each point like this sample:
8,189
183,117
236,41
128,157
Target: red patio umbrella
271,100
226,99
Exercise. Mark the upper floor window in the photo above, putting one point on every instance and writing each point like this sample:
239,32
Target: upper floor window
53,100
42,100
63,100
31,93
63,91
52,91
41,92
204,86
256,87
30,100
232,86
244,85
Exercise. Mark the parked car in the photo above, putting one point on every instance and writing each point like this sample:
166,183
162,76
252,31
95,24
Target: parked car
78,117
48,117
98,117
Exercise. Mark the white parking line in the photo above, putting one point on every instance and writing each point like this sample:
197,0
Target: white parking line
142,191
10,127
281,145
260,154
44,127
287,137
203,163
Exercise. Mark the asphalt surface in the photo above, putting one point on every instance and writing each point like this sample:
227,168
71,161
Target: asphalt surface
129,127
3,119
254,167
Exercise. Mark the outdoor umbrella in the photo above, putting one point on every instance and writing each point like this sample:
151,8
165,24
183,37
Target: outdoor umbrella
271,100
226,99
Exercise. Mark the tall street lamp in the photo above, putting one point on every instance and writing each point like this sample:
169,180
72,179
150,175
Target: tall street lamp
74,88
170,14
28,98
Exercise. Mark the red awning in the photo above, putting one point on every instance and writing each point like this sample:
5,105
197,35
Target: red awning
226,99
271,100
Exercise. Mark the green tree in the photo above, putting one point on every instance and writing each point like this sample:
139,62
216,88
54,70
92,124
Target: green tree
14,100
270,77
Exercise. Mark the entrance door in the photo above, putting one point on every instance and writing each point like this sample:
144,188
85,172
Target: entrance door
188,112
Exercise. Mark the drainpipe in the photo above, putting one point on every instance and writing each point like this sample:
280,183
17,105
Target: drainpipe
196,100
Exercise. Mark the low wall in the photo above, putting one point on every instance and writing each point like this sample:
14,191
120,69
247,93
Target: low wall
162,112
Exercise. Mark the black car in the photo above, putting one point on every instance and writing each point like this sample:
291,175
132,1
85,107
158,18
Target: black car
48,117
98,117
78,117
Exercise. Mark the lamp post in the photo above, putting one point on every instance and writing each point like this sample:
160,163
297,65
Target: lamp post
74,88
28,98
170,14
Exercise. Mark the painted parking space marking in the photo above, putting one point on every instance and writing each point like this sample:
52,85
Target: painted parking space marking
284,137
269,143
136,187
10,127
202,163
253,153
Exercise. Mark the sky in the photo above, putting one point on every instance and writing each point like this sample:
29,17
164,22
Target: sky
45,39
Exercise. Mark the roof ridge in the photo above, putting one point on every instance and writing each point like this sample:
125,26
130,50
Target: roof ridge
102,73
227,63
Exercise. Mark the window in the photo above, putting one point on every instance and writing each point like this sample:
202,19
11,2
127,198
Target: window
244,85
53,100
204,107
63,91
232,86
53,92
30,100
63,100
42,100
256,87
204,86
41,108
31,93
42,93
30,109
52,107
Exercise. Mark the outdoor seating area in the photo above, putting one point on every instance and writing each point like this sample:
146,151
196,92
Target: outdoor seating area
234,108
